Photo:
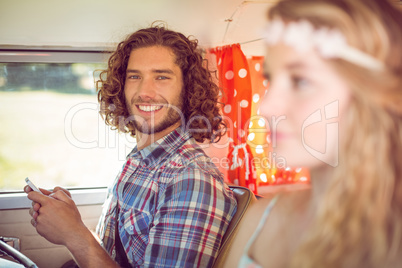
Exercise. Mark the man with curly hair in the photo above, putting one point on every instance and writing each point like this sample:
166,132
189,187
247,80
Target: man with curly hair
169,206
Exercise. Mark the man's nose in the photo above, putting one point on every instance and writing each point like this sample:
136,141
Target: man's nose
146,89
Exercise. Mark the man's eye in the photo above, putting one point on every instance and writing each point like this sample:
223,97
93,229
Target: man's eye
133,77
162,78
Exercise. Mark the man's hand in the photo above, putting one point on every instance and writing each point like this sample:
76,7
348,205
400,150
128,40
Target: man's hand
28,189
56,217
35,206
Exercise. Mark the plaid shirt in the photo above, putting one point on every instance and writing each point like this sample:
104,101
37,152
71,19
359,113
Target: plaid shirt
172,203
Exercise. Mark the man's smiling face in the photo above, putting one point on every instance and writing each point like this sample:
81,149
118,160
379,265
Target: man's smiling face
153,87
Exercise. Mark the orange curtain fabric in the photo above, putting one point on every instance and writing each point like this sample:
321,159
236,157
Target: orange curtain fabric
270,168
235,82
258,138
250,161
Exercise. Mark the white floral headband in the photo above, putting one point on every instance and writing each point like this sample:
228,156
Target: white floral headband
330,43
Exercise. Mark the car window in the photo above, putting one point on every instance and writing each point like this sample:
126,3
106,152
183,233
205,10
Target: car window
51,130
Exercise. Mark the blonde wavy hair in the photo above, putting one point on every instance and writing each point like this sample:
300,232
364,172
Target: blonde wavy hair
359,222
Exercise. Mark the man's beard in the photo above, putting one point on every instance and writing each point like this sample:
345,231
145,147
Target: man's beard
172,117
174,114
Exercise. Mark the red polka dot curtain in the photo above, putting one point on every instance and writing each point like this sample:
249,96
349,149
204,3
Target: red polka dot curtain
258,138
252,162
271,168
235,82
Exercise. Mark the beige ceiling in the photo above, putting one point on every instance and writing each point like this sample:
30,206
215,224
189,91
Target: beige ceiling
104,22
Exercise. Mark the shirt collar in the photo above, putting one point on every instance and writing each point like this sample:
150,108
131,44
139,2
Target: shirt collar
157,151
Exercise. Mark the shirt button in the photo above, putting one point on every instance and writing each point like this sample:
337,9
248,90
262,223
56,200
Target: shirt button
131,228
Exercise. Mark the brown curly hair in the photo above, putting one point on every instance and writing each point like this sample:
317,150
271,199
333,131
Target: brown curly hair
201,108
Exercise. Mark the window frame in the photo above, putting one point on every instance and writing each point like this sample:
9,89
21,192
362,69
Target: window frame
81,196
57,54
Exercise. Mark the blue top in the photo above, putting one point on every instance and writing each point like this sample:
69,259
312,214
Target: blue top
245,259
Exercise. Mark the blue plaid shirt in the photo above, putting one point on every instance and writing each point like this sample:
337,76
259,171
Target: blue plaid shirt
172,203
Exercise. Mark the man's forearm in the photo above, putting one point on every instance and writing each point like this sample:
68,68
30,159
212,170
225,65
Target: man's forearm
87,252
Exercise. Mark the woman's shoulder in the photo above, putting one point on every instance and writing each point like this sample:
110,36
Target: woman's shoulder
274,211
282,202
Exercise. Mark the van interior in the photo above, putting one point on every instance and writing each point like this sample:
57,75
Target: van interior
50,52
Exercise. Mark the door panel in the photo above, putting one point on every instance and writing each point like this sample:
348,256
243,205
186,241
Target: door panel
15,222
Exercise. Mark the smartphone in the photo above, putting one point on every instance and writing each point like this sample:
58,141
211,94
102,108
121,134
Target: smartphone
33,187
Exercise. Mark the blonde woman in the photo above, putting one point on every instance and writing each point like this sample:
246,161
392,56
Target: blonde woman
334,106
